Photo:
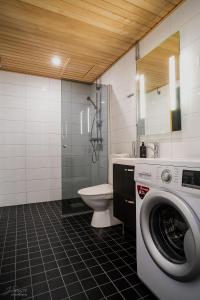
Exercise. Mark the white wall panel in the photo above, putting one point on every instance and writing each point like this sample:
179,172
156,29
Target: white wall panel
30,139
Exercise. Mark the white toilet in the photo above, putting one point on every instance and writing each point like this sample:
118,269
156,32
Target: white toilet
100,199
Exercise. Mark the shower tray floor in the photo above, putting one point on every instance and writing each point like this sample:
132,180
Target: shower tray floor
73,207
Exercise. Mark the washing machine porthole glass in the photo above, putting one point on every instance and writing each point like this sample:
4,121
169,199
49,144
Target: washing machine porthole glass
168,229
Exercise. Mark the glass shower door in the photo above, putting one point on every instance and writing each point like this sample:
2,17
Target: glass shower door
78,170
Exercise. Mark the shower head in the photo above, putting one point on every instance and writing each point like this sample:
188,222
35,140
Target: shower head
92,102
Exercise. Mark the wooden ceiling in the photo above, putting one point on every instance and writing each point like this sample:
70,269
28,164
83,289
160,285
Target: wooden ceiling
155,65
88,35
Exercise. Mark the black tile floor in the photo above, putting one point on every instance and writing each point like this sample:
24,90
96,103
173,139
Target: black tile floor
44,256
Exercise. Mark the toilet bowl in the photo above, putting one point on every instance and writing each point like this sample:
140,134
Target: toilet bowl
100,199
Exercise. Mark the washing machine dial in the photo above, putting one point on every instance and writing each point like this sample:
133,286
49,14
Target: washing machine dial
166,176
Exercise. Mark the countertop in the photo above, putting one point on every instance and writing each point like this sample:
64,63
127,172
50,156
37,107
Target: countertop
132,161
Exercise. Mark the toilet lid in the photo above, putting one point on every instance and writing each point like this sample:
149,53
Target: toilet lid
102,189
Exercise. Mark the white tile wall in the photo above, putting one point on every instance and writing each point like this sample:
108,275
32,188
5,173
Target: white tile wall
184,144
30,139
121,77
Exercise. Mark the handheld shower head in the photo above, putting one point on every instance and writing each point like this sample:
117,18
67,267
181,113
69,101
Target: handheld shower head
92,102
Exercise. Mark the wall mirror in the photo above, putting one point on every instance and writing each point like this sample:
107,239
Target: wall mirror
158,85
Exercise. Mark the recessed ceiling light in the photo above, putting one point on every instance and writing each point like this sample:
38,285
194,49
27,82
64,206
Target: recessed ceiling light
56,61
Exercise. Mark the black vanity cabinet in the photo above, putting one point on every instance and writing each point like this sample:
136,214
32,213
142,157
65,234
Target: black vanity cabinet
124,194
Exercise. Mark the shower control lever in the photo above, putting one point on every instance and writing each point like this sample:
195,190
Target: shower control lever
64,146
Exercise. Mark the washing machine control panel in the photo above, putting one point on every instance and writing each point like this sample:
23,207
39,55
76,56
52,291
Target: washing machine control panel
191,179
166,176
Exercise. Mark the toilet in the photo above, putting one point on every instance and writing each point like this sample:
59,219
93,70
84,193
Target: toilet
100,199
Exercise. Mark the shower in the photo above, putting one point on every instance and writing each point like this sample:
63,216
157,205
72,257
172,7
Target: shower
92,102
95,135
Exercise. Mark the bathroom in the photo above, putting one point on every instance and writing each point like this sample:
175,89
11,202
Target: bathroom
73,116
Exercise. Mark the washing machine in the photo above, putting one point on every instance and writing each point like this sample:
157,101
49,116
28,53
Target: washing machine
168,228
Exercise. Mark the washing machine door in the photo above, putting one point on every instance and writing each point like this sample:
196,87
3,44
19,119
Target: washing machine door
171,233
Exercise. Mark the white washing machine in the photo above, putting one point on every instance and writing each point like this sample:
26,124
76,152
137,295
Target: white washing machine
168,228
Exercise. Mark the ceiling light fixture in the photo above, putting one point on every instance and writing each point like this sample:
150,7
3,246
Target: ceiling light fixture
56,61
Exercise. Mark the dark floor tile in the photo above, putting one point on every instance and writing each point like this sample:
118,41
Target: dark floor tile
88,283
55,283
66,269
52,274
150,297
50,265
125,270
23,272
67,252
22,264
48,258
86,255
21,257
83,274
133,279
8,261
96,270
81,296
116,297
102,259
22,282
118,263
74,288
36,278
70,278
91,262
75,259
142,289
59,294
114,274
37,269
133,266
40,288
35,255
130,294
102,279
36,261
122,284
45,296
94,294
108,289
108,266
8,268
79,266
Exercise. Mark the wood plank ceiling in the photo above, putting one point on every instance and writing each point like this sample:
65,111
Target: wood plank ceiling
88,35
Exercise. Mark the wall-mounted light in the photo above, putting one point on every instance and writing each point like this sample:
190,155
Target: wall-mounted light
172,83
137,77
88,119
56,61
142,96
81,122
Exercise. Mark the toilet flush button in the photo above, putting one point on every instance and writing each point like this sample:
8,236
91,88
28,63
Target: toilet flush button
166,176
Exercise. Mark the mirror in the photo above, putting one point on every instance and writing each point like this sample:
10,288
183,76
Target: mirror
158,84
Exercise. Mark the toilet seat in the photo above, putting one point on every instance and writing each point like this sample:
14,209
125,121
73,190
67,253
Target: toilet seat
102,190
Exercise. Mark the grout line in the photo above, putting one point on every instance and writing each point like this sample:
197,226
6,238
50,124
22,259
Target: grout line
68,258
42,229
40,252
90,271
25,224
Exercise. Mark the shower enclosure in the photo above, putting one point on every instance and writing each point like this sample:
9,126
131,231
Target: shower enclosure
84,141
